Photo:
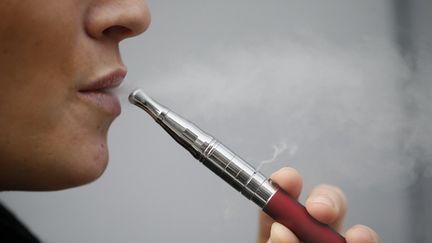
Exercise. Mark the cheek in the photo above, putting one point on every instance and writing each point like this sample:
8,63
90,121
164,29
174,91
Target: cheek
45,129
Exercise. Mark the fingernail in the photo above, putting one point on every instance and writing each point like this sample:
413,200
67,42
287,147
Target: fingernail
372,234
325,200
366,233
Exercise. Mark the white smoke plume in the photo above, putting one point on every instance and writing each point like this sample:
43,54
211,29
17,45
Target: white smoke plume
341,104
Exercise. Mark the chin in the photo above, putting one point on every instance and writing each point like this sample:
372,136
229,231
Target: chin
88,168
79,166
86,156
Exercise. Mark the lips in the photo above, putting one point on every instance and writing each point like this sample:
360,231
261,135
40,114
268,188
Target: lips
97,92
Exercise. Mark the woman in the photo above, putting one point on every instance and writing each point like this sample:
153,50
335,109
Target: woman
57,58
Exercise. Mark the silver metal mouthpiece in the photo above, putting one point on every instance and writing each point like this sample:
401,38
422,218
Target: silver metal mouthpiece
140,99
213,154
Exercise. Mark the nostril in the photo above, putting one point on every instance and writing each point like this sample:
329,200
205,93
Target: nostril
116,20
117,32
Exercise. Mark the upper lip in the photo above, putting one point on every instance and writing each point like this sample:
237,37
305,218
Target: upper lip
111,80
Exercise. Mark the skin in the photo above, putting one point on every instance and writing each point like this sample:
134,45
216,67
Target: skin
326,203
50,138
53,139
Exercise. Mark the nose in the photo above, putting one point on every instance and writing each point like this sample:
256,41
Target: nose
116,19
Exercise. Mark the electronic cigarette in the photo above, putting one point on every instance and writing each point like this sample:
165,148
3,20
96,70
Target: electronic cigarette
238,173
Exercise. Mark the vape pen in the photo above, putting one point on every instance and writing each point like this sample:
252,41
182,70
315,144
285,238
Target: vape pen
238,173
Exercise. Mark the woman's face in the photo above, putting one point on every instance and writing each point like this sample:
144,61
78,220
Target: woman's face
57,57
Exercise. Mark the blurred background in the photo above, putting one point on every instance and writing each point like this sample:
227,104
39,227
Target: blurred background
340,88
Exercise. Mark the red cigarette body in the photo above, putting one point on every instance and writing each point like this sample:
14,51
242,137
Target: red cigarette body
294,216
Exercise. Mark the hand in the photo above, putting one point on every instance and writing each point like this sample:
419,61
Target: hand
325,203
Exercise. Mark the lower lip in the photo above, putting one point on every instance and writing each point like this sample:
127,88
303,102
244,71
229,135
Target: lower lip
107,102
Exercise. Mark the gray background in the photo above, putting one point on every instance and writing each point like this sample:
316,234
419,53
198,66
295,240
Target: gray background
343,85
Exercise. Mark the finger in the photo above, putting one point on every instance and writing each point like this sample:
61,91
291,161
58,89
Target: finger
361,234
281,234
328,205
265,223
289,180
